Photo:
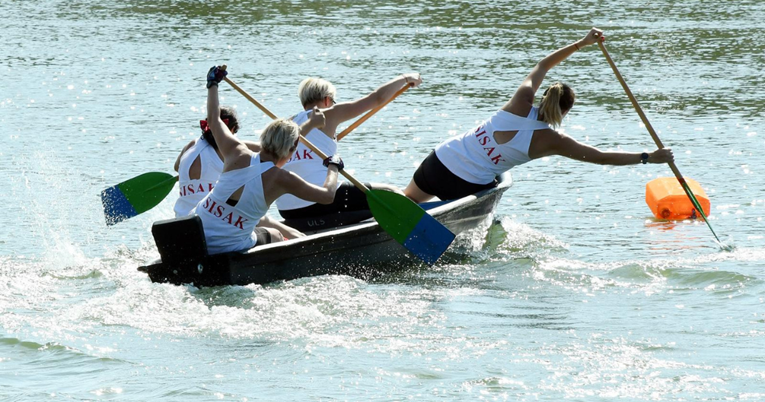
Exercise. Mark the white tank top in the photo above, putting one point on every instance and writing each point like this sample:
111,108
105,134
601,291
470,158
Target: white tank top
475,156
306,164
192,191
230,228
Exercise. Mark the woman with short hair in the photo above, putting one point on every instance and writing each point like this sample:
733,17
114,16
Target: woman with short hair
320,93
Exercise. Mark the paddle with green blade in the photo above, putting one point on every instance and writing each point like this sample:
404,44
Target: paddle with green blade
404,220
136,196
659,144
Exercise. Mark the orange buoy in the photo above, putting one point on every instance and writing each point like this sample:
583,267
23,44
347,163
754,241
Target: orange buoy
667,199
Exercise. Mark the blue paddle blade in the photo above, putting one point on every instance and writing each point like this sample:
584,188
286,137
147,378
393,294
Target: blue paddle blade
135,196
429,239
117,208
410,225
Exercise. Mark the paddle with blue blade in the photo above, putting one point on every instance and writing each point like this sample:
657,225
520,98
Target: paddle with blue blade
136,196
404,220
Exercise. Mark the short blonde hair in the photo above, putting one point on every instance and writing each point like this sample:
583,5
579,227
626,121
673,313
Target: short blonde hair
280,137
557,99
314,89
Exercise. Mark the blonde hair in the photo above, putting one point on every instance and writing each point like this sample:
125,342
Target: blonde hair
280,137
314,89
557,99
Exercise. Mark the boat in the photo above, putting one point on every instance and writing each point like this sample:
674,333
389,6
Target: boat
358,249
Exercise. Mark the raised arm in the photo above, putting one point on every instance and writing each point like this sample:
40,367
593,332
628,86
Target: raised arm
345,111
523,99
227,142
253,146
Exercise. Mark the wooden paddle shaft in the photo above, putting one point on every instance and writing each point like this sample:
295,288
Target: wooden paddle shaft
639,110
250,98
307,143
372,112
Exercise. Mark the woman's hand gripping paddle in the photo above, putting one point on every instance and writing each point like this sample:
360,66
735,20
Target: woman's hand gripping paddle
135,196
659,144
400,217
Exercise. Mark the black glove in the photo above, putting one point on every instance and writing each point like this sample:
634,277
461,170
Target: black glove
215,75
334,160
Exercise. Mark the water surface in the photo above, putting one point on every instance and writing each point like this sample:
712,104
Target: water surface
574,293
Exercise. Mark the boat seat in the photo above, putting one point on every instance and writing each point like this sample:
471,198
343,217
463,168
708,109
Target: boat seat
180,240
183,250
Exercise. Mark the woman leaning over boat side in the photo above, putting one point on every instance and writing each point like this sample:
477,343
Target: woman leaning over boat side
251,181
199,165
516,134
320,93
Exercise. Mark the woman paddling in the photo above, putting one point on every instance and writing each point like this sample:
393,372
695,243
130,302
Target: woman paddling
516,134
319,93
199,165
251,181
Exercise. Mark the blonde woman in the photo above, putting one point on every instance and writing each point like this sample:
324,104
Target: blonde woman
251,181
516,134
320,93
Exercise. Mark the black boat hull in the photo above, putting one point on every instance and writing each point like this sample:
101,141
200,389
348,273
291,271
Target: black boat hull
360,250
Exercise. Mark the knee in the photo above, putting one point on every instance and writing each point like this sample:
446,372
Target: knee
415,193
276,236
386,187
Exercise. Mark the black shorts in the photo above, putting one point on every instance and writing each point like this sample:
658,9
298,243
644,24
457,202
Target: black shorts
347,198
436,179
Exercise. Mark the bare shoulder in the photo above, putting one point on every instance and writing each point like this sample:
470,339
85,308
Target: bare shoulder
189,145
286,178
522,102
547,142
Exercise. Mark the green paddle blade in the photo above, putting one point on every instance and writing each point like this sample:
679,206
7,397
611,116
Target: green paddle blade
135,196
410,225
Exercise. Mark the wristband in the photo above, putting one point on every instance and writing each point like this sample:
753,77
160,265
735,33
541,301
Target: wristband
644,157
334,160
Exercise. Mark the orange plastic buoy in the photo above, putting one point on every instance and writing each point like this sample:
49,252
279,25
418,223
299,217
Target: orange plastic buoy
667,199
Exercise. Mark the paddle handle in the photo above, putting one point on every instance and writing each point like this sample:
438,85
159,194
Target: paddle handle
638,109
373,111
305,141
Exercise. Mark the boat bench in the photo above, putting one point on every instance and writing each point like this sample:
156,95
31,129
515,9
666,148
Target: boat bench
183,251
